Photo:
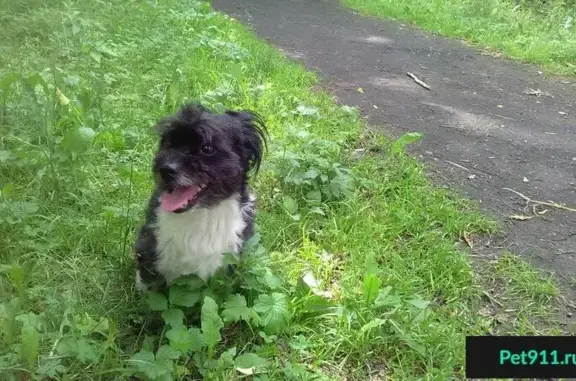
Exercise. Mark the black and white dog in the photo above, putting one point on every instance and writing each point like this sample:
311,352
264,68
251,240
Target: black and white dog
202,207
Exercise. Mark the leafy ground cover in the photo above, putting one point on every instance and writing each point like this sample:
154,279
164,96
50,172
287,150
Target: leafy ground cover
540,32
355,273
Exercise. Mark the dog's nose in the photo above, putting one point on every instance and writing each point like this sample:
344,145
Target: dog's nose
167,172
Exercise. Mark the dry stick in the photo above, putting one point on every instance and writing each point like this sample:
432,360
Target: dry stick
424,85
551,203
457,165
568,303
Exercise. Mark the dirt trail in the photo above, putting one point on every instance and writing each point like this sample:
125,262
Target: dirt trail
482,131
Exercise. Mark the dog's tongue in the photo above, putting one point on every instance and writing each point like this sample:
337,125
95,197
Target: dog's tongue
178,198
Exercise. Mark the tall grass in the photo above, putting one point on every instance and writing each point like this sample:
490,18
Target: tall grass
535,33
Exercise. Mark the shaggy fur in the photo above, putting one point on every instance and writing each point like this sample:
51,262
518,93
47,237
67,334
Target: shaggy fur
202,207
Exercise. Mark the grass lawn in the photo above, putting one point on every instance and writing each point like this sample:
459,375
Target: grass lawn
533,32
356,272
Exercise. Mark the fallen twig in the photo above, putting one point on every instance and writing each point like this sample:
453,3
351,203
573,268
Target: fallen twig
457,165
537,92
568,302
466,237
550,203
520,217
492,299
418,81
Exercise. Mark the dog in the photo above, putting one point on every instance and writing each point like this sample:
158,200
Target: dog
201,207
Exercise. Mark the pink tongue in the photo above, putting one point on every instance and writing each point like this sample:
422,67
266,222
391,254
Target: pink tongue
179,198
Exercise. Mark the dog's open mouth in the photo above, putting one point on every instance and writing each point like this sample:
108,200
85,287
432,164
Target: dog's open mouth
181,198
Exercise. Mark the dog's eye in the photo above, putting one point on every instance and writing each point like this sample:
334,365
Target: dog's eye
207,149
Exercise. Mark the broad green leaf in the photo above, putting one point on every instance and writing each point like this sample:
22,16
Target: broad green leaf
227,357
173,317
268,339
145,362
36,321
165,353
270,280
421,304
209,292
30,341
86,351
316,304
248,372
157,301
250,361
299,343
86,325
183,296
422,315
230,259
311,174
77,140
291,205
252,244
371,287
273,309
80,348
148,343
384,298
295,371
185,340
314,195
51,367
191,281
86,133
211,323
372,324
141,360
235,309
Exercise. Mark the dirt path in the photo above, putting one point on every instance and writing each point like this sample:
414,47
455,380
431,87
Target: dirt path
482,131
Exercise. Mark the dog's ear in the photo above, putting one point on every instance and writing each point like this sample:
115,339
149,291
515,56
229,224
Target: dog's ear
164,124
254,137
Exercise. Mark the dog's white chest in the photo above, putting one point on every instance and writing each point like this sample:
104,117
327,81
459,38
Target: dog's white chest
194,242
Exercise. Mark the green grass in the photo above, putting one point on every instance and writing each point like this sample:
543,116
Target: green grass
398,296
540,34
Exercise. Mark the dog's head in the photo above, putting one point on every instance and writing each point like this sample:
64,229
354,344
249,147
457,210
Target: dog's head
204,157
